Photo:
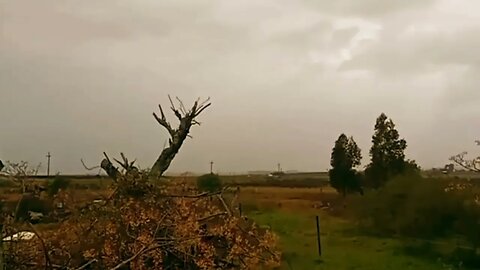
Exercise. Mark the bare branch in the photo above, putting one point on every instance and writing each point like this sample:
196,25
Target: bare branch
118,161
35,172
204,102
182,107
172,106
106,156
195,122
89,168
163,121
462,161
459,160
36,265
87,264
212,216
125,160
145,249
48,263
161,111
132,163
194,108
229,211
174,109
201,109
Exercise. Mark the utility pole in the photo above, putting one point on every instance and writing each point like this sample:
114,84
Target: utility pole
48,163
211,167
279,168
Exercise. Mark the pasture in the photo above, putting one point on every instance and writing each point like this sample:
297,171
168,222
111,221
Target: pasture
290,211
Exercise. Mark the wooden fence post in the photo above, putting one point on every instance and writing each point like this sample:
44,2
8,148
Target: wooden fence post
318,237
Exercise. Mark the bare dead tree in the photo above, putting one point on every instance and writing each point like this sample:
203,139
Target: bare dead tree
19,172
466,163
187,119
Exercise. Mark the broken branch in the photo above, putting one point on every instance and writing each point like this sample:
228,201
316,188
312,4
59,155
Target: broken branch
88,168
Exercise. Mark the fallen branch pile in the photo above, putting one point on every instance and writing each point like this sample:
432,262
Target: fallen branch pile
146,226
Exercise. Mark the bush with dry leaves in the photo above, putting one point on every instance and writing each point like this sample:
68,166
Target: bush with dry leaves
146,226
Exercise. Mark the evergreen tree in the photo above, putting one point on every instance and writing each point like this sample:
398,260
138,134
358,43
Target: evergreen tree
345,156
387,153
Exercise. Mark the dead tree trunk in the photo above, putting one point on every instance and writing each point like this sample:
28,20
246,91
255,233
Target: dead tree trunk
108,167
177,136
112,171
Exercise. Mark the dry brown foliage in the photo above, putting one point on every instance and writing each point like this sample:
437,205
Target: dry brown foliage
146,226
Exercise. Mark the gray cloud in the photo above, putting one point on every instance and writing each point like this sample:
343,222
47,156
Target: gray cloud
343,37
369,8
418,52
79,78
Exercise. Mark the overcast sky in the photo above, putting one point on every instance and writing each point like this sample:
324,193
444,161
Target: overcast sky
285,78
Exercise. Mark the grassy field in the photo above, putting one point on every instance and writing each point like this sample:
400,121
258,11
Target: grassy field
341,247
291,211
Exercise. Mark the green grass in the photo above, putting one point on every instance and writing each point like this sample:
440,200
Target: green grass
342,249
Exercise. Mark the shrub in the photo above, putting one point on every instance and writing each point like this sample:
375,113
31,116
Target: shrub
4,183
59,182
209,183
468,257
470,221
412,206
32,203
